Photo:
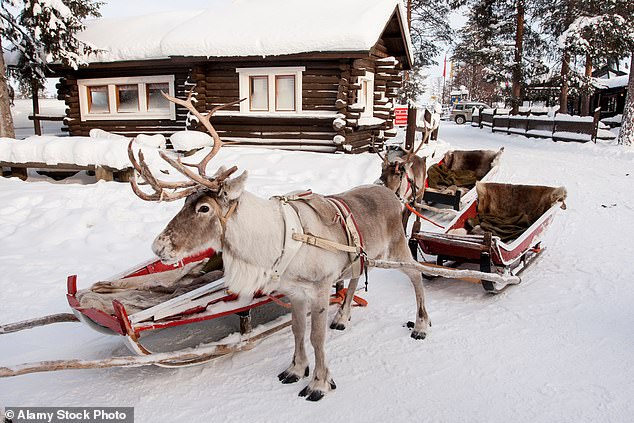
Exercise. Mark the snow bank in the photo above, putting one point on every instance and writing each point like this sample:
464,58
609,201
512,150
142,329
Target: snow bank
105,149
243,28
82,151
190,140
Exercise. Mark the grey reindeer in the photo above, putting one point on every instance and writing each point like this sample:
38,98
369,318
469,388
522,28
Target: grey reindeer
250,231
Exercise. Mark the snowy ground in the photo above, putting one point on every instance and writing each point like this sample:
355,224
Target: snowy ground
557,348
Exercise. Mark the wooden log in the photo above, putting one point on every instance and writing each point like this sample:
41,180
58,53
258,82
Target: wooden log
446,272
363,63
40,321
187,355
318,79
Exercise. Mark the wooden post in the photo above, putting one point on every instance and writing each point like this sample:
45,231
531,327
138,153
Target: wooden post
595,124
410,133
37,127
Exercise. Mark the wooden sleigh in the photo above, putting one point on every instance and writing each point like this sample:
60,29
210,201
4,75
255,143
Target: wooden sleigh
205,303
485,165
455,246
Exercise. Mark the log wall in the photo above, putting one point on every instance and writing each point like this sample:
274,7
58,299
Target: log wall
330,88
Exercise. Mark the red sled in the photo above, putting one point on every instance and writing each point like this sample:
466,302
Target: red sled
207,302
456,246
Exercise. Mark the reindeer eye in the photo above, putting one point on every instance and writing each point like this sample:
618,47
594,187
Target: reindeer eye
203,209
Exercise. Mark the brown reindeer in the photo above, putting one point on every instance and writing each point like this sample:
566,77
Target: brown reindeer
250,231
405,176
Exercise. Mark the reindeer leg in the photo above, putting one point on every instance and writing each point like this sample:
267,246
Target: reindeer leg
322,381
299,366
343,314
422,325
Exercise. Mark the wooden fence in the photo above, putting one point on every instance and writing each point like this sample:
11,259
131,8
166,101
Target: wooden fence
559,128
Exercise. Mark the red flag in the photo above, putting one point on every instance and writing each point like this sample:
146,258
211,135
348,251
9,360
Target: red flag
444,68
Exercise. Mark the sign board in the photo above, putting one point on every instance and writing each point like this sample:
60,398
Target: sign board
400,116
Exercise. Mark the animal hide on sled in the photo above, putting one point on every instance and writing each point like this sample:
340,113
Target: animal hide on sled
142,292
507,210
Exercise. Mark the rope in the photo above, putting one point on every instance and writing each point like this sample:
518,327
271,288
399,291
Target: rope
413,210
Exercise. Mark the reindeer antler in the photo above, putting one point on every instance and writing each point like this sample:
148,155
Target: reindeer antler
197,180
204,119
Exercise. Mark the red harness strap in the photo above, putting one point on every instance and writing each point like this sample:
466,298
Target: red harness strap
343,206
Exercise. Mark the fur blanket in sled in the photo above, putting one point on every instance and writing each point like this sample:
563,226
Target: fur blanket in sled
507,210
142,292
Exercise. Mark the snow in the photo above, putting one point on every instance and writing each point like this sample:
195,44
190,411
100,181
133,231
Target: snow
190,140
573,136
243,28
370,121
556,348
53,150
616,82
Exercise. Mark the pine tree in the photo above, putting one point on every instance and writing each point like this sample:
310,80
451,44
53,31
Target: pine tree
601,31
429,24
498,37
40,31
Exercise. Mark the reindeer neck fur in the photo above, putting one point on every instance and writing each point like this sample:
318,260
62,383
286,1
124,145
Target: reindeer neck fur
252,243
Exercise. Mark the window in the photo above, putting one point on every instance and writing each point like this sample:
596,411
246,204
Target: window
259,93
126,98
285,92
366,94
98,99
271,90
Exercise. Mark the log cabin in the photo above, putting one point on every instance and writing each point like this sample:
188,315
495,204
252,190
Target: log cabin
314,75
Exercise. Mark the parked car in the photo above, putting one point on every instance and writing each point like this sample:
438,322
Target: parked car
463,111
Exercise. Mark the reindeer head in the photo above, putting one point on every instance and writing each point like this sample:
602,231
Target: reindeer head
392,173
201,223
210,201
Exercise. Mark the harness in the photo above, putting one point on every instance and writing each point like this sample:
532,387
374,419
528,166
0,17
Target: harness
294,235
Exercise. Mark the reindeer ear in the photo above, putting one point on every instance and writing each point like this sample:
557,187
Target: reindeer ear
220,170
233,187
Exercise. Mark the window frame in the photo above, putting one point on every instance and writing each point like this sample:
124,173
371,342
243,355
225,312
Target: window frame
272,73
142,114
368,79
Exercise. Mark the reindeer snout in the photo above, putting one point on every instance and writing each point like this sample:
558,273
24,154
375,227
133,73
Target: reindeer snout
164,250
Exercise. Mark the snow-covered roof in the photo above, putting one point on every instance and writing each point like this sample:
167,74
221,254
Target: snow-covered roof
245,28
616,82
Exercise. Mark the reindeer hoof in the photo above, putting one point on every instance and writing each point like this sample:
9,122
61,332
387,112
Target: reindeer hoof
287,377
337,326
418,335
311,395
315,396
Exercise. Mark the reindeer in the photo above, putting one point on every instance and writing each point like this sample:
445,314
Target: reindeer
405,176
250,231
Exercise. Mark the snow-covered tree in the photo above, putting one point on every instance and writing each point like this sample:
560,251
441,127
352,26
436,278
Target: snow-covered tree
499,39
626,133
600,31
40,32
